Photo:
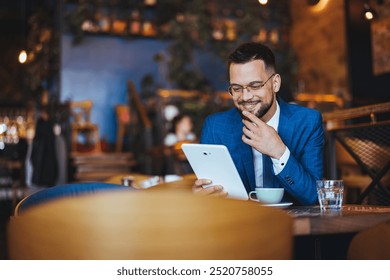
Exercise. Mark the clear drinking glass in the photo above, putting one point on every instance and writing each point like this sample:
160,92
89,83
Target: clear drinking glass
330,194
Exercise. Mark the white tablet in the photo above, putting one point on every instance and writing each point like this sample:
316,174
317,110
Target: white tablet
214,162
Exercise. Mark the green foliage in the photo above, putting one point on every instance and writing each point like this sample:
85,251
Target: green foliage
194,31
75,20
43,48
191,27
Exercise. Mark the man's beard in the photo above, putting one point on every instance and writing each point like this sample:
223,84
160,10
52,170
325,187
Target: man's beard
263,109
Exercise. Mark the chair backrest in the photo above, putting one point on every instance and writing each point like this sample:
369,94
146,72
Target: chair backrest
322,102
150,224
123,120
56,192
371,244
81,111
364,132
122,113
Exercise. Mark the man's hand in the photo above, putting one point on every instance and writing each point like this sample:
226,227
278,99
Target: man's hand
262,137
216,190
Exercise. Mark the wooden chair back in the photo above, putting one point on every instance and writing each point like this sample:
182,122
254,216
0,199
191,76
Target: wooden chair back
81,124
322,102
149,225
123,120
364,132
81,111
371,244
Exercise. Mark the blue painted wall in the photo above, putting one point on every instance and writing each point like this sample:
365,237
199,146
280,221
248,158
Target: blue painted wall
100,67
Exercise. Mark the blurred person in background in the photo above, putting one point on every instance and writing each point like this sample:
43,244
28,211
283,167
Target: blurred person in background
181,132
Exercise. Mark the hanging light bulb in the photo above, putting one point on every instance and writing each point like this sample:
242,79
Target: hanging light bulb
317,5
369,13
22,56
263,2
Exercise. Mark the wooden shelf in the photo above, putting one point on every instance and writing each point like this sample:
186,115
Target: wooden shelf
101,166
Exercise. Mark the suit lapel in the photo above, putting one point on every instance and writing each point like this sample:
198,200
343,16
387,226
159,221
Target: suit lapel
285,125
285,128
247,161
242,153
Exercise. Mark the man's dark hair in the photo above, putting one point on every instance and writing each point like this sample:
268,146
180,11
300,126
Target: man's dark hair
248,52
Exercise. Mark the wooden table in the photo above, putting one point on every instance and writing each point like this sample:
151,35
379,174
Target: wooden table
352,219
328,235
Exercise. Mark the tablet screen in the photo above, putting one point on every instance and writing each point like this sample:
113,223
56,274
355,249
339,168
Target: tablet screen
214,162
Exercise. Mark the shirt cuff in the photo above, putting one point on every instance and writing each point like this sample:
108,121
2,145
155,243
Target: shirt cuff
279,164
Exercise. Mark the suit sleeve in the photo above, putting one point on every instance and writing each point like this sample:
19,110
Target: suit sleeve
299,176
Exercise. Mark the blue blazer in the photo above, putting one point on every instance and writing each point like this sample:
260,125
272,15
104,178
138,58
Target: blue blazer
302,132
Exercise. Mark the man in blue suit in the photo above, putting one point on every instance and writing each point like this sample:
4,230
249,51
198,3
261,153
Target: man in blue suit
272,143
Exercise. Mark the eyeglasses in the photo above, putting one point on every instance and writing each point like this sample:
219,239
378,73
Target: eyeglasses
253,86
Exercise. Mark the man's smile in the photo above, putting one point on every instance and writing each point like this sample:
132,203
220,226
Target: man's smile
249,105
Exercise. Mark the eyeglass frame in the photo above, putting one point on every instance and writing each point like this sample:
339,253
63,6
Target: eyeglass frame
249,86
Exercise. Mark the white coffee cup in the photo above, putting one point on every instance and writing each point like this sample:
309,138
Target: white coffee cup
267,195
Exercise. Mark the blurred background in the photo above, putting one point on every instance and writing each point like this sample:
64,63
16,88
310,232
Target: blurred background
117,72
90,88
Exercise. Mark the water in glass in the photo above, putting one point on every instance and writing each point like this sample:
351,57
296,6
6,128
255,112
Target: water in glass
330,194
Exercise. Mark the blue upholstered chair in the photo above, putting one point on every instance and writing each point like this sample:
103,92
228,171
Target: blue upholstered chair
67,190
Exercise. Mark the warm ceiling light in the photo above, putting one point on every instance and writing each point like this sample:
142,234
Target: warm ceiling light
22,56
369,13
150,2
263,2
317,5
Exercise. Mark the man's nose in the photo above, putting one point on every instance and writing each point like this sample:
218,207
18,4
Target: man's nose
246,94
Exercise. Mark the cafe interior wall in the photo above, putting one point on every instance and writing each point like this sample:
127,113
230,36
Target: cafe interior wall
100,66
318,37
334,46
368,51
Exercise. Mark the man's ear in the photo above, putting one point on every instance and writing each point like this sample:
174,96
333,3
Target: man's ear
277,81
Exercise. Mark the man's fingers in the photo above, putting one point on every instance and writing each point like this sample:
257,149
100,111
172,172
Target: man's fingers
201,182
248,132
220,193
253,120
216,190
211,190
250,116
246,140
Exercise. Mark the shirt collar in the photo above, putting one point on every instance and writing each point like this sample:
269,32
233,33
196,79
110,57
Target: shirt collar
274,121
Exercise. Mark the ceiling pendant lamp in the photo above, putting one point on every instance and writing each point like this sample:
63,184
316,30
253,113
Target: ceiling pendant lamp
369,12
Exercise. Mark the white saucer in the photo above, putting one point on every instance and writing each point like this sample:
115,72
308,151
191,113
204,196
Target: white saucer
285,204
